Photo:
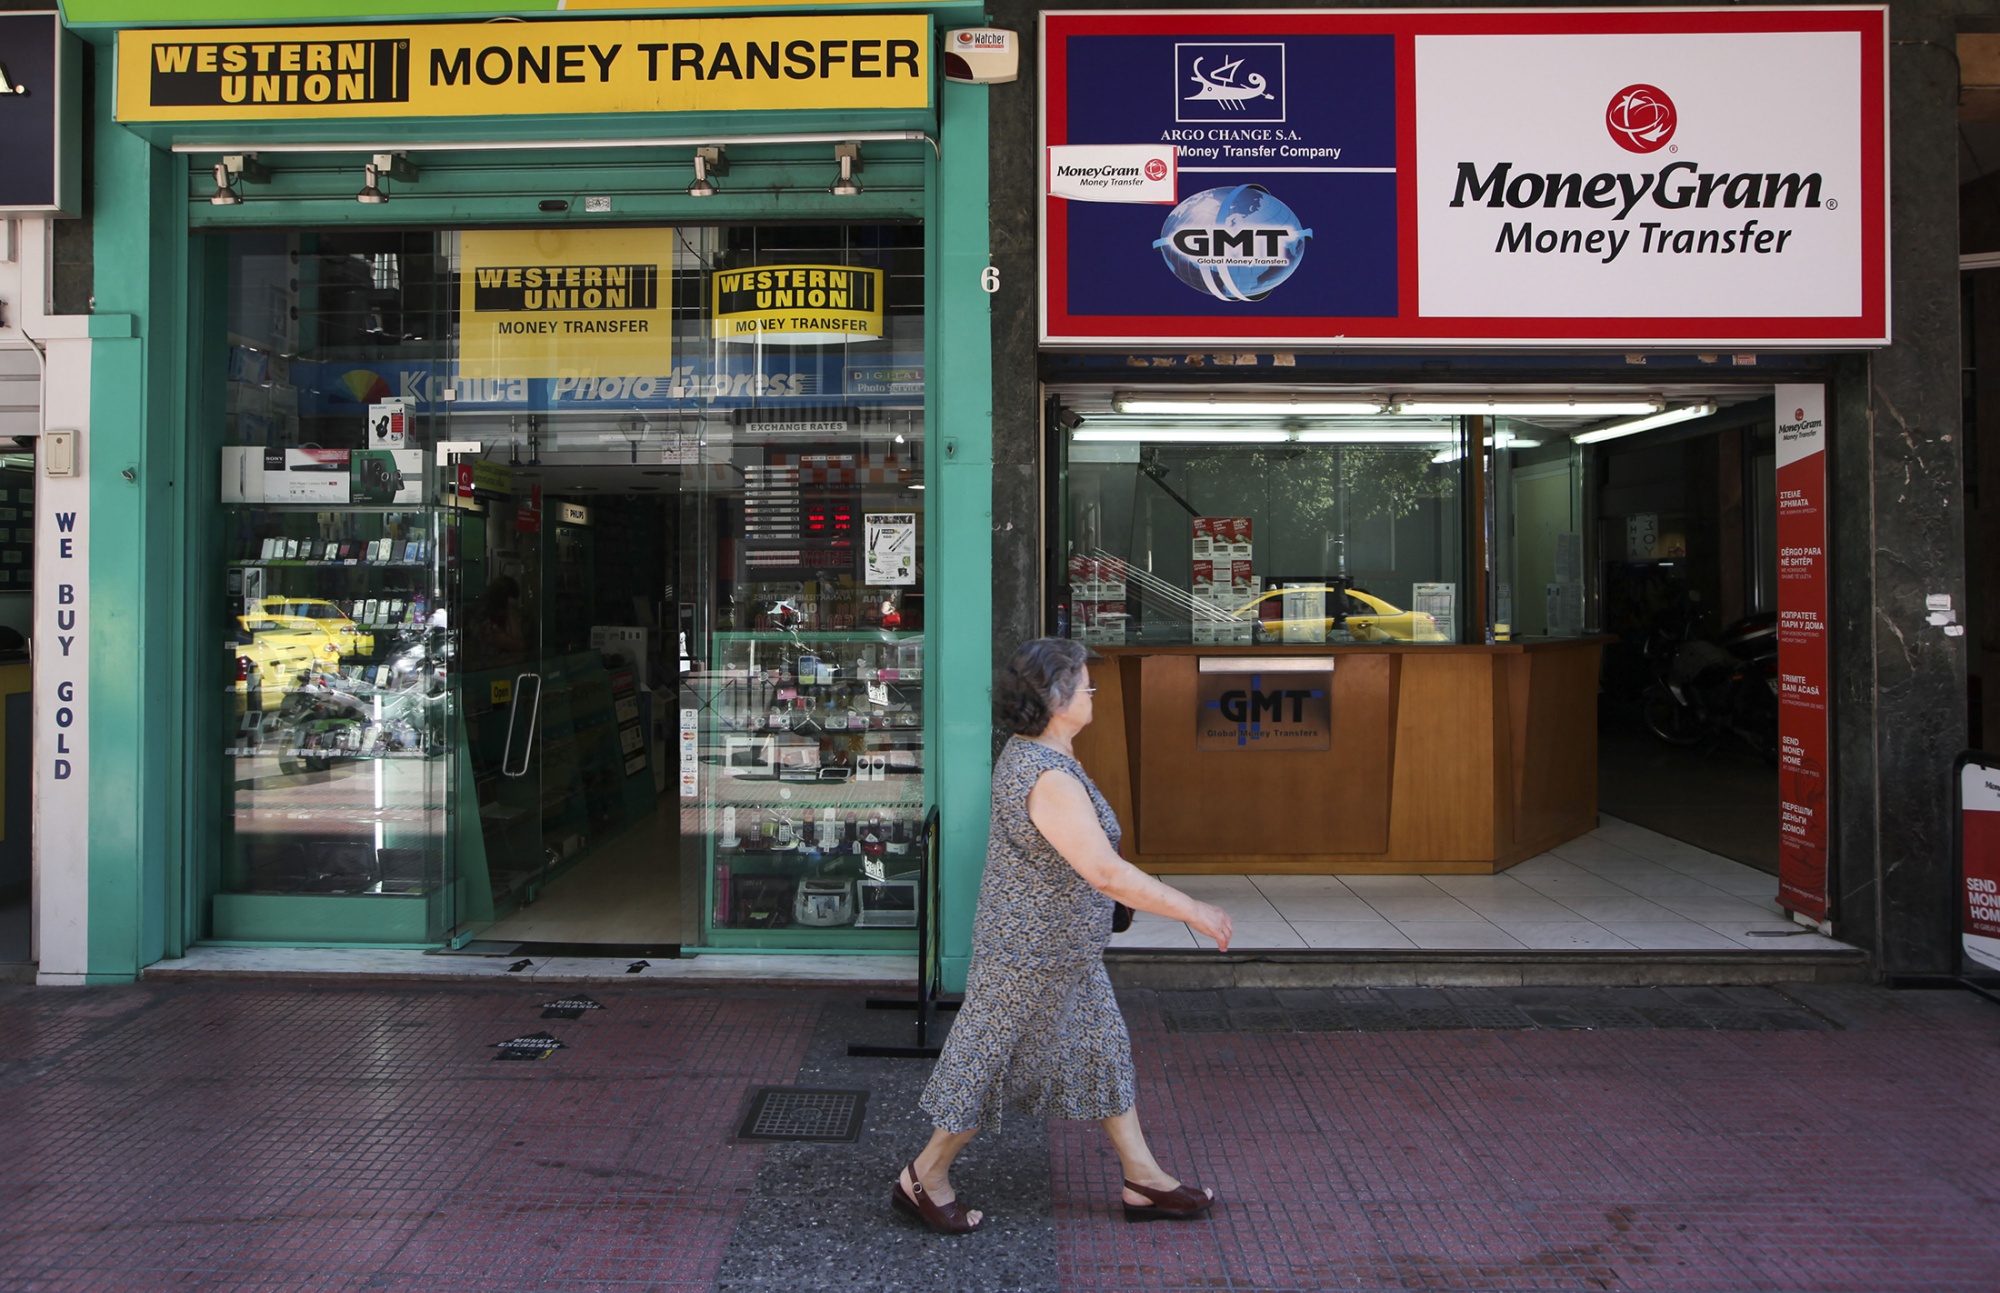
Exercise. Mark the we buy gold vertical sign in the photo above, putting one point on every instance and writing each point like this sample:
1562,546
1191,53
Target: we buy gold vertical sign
803,62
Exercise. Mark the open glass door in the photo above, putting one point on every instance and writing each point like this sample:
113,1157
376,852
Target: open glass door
495,561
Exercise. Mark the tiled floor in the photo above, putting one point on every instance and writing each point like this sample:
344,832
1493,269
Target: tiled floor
1619,888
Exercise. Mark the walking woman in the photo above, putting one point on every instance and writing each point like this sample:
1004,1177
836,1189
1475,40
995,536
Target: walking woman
1040,1032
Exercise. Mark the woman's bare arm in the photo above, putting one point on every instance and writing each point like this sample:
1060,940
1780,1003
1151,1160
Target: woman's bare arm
1062,811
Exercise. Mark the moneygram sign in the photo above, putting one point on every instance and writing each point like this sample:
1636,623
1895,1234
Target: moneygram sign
1573,178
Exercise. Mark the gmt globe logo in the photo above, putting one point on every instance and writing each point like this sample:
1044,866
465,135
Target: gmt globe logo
1234,244
1641,118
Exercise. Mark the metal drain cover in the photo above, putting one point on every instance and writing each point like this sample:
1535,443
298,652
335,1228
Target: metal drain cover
803,1113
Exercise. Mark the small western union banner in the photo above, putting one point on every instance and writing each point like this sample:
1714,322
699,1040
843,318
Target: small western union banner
565,302
510,69
798,305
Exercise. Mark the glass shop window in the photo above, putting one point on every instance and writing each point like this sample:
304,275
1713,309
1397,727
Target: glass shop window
1262,531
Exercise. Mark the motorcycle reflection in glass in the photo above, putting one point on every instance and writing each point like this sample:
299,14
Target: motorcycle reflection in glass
1706,692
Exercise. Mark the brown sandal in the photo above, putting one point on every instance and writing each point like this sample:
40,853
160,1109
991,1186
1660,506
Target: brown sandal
945,1218
1177,1204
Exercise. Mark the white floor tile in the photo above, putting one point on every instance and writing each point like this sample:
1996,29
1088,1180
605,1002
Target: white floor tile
1472,888
1253,935
1587,849
1370,885
1532,907
1579,885
1328,906
1628,907
1274,887
1739,932
1242,901
1351,933
1671,935
1566,936
1457,935
1435,905
1711,911
1668,884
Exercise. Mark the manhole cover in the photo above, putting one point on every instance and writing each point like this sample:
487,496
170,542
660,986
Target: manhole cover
803,1113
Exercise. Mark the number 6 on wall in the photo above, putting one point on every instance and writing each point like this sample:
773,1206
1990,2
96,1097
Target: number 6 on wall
989,278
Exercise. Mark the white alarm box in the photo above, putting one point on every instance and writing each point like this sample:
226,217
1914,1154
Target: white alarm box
981,55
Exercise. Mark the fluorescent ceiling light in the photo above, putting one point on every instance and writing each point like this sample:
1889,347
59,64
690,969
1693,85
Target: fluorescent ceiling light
1226,433
1246,408
1373,435
1666,419
1548,408
1184,435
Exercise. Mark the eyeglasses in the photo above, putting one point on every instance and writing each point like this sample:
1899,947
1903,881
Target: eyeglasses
1090,691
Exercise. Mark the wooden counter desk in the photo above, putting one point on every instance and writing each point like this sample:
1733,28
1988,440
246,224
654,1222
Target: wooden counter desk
1442,760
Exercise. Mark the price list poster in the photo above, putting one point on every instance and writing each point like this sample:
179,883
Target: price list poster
1802,662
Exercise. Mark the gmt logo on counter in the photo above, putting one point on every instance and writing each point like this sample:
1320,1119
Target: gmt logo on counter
1281,710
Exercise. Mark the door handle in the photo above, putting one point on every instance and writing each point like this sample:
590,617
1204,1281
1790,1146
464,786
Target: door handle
513,713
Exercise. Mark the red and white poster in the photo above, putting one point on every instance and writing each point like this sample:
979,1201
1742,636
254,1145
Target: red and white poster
1979,859
1802,669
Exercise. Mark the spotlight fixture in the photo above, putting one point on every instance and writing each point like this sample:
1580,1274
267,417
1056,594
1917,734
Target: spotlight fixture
707,164
1667,419
234,168
224,196
381,166
849,157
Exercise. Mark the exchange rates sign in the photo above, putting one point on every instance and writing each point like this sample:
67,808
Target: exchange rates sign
1802,672
1464,178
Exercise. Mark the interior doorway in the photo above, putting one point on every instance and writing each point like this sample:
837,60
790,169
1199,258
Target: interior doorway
571,577
1688,576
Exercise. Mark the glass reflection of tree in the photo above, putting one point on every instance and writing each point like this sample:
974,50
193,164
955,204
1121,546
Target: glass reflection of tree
1364,481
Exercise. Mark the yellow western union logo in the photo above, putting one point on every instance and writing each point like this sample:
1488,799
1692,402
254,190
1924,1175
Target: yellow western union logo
564,66
798,304
517,288
219,74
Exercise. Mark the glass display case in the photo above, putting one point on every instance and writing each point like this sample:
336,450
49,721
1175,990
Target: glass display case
813,788
335,660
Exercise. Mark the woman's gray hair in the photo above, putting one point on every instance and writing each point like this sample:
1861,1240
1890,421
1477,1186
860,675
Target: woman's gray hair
1040,680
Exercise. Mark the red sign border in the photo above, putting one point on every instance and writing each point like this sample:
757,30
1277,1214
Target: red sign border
1059,328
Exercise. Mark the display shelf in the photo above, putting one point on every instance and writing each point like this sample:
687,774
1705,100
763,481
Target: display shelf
810,850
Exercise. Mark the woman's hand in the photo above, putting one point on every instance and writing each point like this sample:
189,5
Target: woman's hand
1213,922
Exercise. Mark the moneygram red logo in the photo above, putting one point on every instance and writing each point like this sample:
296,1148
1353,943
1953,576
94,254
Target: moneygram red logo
1798,415
1156,169
1641,118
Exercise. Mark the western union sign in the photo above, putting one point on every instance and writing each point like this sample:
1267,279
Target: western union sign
565,303
511,69
799,305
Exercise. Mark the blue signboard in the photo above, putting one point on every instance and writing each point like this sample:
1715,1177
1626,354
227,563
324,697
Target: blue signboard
1286,164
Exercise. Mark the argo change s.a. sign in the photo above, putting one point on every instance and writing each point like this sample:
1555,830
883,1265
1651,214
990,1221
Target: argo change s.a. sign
1572,177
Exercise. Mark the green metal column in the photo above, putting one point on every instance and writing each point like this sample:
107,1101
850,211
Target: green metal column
137,700
960,580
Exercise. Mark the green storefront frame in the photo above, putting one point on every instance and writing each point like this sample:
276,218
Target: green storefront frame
153,833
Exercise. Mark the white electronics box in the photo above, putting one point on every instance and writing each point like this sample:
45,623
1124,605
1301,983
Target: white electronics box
981,55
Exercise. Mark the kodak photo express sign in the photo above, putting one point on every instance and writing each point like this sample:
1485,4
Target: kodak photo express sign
1573,177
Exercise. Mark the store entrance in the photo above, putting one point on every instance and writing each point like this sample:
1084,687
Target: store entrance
570,575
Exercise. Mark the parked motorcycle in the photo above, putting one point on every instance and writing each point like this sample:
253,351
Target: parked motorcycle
1706,692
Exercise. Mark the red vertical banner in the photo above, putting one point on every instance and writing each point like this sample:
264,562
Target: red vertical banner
1979,858
1802,664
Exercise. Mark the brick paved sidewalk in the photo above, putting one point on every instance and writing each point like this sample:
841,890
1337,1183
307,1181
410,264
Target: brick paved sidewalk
268,1135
